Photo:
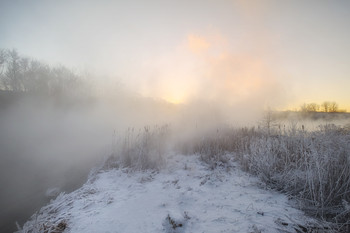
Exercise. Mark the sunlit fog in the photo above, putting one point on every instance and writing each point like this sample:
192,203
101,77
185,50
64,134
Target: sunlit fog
82,80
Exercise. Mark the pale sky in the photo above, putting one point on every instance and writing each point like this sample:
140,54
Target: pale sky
276,53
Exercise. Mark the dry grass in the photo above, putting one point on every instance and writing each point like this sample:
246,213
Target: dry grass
140,149
311,167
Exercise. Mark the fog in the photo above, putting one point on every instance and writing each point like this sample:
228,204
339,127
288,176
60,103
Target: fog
43,147
53,142
195,66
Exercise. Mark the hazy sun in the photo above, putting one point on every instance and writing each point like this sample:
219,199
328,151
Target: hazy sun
173,100
204,68
175,94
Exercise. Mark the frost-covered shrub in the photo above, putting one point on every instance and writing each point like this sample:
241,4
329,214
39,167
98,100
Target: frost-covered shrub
214,145
313,167
139,149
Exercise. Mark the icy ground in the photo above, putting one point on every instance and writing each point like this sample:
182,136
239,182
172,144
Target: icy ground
185,196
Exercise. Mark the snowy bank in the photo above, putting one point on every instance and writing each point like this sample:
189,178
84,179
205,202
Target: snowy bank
185,196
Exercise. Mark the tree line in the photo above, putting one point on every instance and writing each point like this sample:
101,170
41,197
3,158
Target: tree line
326,106
24,74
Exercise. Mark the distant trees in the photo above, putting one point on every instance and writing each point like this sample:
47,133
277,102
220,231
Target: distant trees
268,120
12,76
330,106
23,74
312,107
326,106
37,77
2,61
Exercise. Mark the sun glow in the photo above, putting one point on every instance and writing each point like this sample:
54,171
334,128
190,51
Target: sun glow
197,44
177,92
174,99
204,67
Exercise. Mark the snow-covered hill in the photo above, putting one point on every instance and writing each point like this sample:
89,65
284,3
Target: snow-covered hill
185,196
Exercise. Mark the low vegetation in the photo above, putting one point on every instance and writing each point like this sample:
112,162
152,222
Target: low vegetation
313,168
140,149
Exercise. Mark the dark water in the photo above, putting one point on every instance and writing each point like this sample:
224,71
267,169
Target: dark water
23,186
43,147
45,143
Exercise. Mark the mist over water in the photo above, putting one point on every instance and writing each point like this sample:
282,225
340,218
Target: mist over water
196,66
42,147
53,143
51,137
46,143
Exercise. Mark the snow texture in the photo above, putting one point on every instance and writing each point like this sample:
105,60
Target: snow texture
185,196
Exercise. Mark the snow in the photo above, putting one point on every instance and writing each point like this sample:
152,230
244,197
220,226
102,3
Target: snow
185,196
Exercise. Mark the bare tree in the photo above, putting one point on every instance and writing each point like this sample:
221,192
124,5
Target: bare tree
333,107
303,108
3,58
37,77
24,74
12,79
328,106
312,107
268,120
325,106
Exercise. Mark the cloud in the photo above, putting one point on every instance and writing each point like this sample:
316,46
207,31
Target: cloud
207,67
197,44
231,77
